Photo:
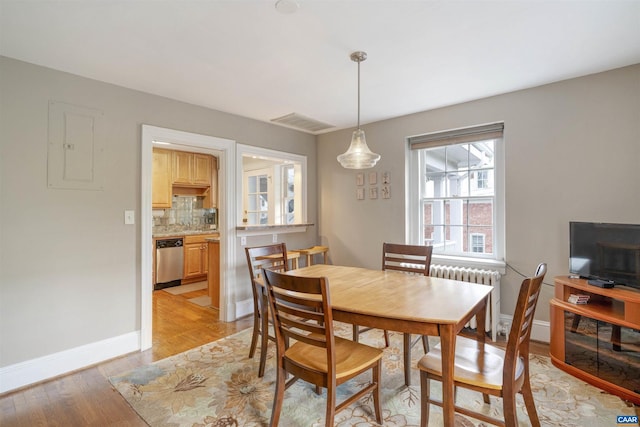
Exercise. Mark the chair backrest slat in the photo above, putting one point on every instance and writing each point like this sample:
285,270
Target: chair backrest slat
301,310
413,259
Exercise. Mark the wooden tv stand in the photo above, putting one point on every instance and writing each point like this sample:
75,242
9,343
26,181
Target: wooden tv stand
598,342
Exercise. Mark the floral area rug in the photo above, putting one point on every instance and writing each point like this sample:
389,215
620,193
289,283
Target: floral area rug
217,385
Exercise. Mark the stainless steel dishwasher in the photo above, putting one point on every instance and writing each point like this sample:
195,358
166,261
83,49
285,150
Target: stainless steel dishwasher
169,263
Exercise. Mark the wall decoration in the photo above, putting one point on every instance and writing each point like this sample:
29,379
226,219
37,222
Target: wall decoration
359,193
360,178
373,192
386,178
386,192
373,178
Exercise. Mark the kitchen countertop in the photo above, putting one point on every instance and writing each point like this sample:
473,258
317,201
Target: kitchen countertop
271,226
182,233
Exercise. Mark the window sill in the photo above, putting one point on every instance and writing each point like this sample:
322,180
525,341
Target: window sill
256,230
481,263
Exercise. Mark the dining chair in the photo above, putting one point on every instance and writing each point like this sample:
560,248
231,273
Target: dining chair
489,369
259,258
411,259
301,308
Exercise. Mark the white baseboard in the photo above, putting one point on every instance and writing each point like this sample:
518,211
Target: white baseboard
43,368
540,331
244,308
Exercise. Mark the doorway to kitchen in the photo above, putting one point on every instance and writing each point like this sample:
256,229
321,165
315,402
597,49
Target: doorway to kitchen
224,150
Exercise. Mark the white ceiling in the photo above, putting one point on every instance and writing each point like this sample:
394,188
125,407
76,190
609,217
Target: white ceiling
247,58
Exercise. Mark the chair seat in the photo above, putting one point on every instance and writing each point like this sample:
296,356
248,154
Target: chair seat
467,369
351,357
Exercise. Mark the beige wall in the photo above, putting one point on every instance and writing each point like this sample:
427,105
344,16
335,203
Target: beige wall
572,152
69,267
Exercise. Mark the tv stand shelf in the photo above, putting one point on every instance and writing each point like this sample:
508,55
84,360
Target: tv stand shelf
598,342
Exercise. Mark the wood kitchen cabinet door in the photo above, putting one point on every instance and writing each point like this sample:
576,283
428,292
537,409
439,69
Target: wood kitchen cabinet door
191,169
196,257
201,174
196,260
182,165
161,179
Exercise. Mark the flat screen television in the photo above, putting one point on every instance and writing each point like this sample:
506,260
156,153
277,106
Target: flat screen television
606,252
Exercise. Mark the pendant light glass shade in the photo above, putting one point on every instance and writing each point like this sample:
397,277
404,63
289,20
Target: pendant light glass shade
358,156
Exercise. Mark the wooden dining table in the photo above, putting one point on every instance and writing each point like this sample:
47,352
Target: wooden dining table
401,302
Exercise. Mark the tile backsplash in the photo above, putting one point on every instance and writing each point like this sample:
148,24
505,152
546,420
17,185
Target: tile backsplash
186,214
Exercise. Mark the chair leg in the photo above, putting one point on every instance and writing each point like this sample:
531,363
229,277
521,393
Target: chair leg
264,344
527,394
254,336
425,344
356,333
509,409
331,406
278,398
407,359
386,338
376,391
425,393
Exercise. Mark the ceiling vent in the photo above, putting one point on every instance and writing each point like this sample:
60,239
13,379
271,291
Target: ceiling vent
306,124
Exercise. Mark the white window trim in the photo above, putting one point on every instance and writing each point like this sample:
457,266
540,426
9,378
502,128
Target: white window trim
241,150
412,218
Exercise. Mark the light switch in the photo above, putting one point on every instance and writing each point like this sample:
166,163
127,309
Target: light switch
129,217
243,240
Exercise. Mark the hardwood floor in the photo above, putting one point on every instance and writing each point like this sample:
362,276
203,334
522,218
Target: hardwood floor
86,398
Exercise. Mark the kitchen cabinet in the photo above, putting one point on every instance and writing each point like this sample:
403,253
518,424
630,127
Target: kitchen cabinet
191,169
196,257
161,179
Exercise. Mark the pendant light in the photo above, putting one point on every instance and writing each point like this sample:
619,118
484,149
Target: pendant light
358,156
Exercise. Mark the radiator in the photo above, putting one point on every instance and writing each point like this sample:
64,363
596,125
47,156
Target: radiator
474,275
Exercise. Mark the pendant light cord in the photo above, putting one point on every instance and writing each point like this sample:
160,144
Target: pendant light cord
359,95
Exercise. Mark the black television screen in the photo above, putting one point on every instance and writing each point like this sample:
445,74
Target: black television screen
605,251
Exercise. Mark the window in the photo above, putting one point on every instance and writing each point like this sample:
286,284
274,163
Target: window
257,196
455,198
483,179
477,243
272,187
288,194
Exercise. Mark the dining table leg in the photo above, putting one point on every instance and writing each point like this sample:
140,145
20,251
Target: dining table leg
448,348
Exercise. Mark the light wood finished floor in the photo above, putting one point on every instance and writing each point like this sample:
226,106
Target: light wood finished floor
86,398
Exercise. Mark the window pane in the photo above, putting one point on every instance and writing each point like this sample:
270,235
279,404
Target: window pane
435,159
481,237
263,183
480,212
482,183
252,184
481,154
458,198
435,185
